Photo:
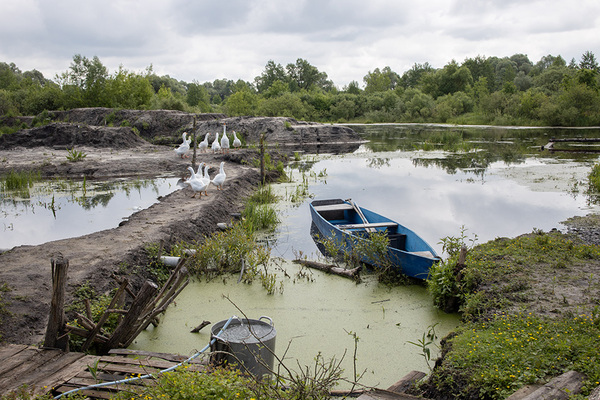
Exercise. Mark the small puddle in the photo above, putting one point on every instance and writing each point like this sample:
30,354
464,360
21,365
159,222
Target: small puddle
54,210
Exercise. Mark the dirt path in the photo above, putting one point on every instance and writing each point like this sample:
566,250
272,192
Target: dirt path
96,257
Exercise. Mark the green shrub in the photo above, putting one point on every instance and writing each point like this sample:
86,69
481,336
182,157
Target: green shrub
75,155
220,384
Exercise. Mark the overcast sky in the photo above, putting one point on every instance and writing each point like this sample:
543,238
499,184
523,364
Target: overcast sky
234,39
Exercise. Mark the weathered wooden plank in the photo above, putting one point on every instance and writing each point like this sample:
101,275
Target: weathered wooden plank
127,369
377,394
17,373
10,350
90,393
368,225
84,382
18,359
133,361
561,387
165,356
407,381
523,392
49,374
142,368
333,207
65,373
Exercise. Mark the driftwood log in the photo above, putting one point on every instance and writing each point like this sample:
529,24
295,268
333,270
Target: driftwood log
353,273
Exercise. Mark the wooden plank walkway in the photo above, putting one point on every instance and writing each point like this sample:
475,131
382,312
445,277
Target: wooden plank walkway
397,390
55,372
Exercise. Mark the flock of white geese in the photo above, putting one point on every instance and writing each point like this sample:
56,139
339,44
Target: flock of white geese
199,180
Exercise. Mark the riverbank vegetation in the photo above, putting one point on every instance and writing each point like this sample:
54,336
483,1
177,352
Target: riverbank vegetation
530,311
481,90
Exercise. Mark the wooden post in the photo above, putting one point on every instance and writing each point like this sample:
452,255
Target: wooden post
262,158
129,324
56,336
195,145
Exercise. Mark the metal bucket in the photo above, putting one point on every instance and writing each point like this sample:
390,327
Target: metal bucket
247,344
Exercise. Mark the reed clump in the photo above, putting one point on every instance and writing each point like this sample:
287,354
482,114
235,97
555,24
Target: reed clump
237,250
19,180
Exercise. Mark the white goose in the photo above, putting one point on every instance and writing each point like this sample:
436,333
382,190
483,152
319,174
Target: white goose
203,176
183,147
203,146
198,173
196,184
237,143
225,140
216,147
219,179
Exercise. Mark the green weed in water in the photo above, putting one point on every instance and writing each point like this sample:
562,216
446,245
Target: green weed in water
19,180
259,216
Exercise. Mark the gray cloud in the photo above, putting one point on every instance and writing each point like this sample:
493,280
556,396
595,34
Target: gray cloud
233,39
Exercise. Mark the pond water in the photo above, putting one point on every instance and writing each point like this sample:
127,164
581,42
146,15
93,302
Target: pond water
57,209
317,314
488,182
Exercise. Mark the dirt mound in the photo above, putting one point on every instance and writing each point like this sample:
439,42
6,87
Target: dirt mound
280,130
60,135
156,126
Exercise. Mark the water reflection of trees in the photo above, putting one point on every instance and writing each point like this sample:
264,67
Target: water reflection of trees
378,162
469,148
85,194
90,202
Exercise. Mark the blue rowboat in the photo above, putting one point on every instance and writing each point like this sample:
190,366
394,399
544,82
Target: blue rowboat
349,226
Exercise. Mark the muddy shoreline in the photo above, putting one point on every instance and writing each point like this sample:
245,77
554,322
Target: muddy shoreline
113,152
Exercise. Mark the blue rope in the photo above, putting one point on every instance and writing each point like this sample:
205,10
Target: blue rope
213,340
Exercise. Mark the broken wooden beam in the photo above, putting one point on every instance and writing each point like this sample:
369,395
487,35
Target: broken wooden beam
105,315
130,322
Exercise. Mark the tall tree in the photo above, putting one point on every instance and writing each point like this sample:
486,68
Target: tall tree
381,80
197,96
272,72
412,77
89,76
481,67
303,75
588,61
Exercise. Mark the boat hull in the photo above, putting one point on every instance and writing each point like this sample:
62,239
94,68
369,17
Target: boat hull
350,227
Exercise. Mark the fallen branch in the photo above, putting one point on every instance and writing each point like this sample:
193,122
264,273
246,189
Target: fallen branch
199,327
353,273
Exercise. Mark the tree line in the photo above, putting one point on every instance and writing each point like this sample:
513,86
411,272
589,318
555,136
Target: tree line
481,90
